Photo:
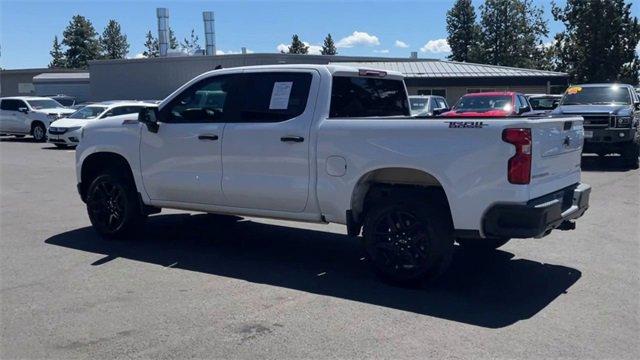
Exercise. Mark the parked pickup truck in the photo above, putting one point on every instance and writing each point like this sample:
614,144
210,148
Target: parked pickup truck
611,115
328,143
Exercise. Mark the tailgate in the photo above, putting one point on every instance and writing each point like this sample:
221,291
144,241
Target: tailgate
556,151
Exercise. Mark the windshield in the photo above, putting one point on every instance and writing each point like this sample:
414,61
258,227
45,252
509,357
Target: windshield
418,104
88,112
596,95
543,103
484,103
44,104
66,101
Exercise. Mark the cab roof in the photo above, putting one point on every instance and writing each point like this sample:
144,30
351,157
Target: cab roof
493,93
333,69
26,98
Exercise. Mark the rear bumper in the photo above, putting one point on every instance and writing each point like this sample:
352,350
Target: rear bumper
539,216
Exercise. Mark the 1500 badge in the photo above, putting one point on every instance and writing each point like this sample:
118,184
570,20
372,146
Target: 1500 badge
466,124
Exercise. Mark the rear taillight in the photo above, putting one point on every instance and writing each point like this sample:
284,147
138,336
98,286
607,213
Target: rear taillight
519,169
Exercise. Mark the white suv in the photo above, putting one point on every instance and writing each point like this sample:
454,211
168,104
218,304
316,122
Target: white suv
29,115
66,132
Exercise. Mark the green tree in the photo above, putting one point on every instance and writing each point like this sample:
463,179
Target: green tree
57,55
80,38
630,72
329,47
190,46
511,33
114,43
297,46
463,32
599,40
151,46
173,41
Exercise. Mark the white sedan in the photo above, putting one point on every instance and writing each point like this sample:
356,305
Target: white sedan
66,132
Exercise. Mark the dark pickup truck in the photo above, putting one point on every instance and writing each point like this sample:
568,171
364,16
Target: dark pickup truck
611,115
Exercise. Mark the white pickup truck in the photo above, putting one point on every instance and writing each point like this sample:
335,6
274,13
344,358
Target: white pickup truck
324,143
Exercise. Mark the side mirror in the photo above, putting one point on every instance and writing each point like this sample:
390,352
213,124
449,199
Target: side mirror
637,103
149,116
24,110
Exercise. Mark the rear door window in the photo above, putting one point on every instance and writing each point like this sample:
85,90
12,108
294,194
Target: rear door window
274,97
367,97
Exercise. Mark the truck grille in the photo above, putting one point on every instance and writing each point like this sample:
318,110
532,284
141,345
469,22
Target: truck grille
596,121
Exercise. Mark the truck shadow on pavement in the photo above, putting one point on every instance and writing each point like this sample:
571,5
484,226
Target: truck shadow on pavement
607,163
493,290
9,138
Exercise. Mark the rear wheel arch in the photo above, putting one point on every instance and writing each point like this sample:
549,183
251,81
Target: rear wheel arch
100,163
380,184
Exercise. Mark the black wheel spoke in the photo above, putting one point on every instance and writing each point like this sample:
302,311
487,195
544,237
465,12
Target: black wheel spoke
107,205
400,241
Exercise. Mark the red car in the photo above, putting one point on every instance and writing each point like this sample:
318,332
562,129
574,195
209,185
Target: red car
490,104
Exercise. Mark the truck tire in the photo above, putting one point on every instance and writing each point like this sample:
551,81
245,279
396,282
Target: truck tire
631,151
407,241
38,131
482,244
113,206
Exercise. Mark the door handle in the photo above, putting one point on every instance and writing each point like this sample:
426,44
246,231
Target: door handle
292,139
208,137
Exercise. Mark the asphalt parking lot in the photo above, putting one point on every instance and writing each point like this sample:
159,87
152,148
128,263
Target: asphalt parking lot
195,287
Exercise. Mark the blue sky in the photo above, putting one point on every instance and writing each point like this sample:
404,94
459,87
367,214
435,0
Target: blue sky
384,28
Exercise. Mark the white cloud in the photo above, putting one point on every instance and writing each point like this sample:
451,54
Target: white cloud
358,38
383,51
436,46
401,44
638,49
313,49
229,52
137,56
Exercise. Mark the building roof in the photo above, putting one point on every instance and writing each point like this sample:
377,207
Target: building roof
39,70
452,69
57,77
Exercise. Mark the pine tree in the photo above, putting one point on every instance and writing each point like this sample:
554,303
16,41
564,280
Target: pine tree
630,72
463,32
297,46
114,43
173,41
599,40
151,46
511,33
329,47
80,38
57,56
190,46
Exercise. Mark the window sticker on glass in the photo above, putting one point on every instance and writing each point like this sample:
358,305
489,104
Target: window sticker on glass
574,90
280,95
